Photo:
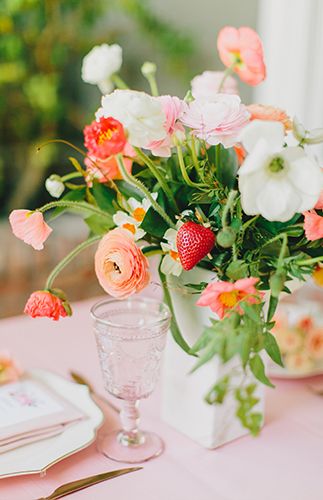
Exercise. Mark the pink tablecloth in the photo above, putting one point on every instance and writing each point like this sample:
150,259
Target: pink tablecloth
284,463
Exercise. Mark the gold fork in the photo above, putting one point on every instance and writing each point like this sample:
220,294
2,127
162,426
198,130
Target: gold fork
81,380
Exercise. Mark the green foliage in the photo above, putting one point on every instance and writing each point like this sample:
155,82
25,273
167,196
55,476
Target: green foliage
251,420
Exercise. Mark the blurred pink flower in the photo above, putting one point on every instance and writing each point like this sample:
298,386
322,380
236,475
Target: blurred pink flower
270,113
298,362
219,121
45,304
173,107
242,48
314,343
120,266
104,170
30,227
288,340
9,369
222,296
313,225
319,204
207,85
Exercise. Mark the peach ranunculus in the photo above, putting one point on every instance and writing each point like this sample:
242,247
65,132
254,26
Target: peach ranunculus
207,85
45,304
270,113
241,49
314,343
120,266
298,362
105,170
313,225
222,296
289,341
9,369
30,227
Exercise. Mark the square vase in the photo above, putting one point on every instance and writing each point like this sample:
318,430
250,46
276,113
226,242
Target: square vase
183,404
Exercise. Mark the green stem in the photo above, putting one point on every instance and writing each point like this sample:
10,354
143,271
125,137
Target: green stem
227,72
138,184
182,166
308,262
227,207
150,164
249,222
72,175
118,82
153,85
82,205
194,157
64,262
62,141
282,251
150,251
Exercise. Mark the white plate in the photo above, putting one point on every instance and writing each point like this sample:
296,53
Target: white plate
37,457
276,371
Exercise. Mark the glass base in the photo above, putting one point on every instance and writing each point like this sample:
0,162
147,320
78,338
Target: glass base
111,446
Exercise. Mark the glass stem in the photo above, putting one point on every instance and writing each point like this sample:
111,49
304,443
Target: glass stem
129,416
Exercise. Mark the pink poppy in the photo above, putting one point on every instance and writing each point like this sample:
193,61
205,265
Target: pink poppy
45,304
120,266
313,225
173,107
242,50
222,296
30,227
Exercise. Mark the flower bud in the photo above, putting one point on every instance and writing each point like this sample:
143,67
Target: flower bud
314,136
226,237
54,186
277,282
148,69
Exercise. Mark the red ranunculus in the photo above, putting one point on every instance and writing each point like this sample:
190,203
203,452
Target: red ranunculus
104,138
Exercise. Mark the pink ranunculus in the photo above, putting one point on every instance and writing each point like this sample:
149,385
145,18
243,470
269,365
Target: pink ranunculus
30,227
207,85
242,49
313,225
9,369
45,304
314,343
222,296
319,204
269,113
120,266
173,107
104,170
219,121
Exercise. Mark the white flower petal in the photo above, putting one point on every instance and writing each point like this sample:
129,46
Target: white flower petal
257,160
249,187
277,201
303,173
171,266
272,132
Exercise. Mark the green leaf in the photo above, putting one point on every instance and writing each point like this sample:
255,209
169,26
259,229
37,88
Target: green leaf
203,340
273,303
246,402
214,347
78,195
104,196
228,167
258,369
179,339
153,224
218,392
272,348
98,225
252,311
245,347
128,190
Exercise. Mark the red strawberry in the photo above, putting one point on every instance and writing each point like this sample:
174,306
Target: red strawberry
193,243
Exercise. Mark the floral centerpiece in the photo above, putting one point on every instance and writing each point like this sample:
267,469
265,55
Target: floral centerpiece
202,181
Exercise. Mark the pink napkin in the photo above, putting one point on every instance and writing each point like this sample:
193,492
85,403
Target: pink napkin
30,411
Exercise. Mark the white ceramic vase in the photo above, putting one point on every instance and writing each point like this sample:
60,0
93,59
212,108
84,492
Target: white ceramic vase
183,405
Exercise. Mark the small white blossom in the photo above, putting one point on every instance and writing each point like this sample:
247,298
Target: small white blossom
274,181
54,186
314,136
137,211
170,263
141,115
100,64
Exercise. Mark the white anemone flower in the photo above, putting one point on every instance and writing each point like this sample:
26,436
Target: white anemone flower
131,222
100,64
170,263
141,115
274,181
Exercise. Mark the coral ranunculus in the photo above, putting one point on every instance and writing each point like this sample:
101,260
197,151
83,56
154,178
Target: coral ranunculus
120,266
242,50
104,137
105,170
222,296
313,225
30,227
262,112
45,304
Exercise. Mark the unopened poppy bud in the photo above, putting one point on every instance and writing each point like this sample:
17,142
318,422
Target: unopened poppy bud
226,237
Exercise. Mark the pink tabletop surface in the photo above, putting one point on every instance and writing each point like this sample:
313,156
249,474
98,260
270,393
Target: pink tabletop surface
284,463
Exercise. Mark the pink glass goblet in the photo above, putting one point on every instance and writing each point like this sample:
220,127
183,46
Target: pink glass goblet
131,337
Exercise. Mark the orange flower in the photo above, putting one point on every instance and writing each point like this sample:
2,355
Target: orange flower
104,138
314,343
241,153
242,50
298,362
45,304
104,170
270,113
120,266
318,275
313,225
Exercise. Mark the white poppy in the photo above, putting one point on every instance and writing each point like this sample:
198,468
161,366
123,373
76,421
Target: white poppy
141,115
170,263
54,186
100,64
274,181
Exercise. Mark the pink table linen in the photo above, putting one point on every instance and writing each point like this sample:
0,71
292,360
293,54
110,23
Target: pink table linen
284,463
